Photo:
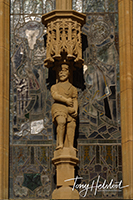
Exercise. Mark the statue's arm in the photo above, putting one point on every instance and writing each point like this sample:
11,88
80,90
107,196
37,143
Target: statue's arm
60,98
75,103
75,99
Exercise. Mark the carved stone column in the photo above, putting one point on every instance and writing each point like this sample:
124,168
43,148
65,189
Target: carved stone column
65,160
64,53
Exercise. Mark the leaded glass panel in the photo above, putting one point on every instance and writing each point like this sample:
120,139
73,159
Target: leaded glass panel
95,6
101,162
31,129
99,139
100,101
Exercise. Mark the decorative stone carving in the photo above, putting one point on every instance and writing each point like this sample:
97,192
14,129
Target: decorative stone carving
65,160
64,36
64,52
64,109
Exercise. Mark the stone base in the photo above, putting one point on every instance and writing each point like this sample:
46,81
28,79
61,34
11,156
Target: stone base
65,161
65,193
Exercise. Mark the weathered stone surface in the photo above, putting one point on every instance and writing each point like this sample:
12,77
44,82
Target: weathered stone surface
63,36
64,53
65,193
63,4
64,109
4,98
126,89
65,160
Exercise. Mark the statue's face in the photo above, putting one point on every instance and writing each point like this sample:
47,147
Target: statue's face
64,73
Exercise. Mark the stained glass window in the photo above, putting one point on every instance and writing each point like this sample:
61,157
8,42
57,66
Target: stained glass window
99,139
30,103
32,139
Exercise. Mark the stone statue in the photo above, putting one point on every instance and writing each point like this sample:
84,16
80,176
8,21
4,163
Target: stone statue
64,109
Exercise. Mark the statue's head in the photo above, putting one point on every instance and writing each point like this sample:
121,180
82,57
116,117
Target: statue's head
64,72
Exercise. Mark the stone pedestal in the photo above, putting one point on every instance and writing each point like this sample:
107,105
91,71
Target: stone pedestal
65,160
65,192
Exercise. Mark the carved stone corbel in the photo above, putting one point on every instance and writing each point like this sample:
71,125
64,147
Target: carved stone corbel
64,37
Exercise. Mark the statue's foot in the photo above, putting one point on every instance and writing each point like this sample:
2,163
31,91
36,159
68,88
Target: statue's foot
73,148
59,147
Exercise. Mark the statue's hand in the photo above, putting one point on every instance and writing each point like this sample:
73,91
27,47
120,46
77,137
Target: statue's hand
69,102
74,115
71,110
